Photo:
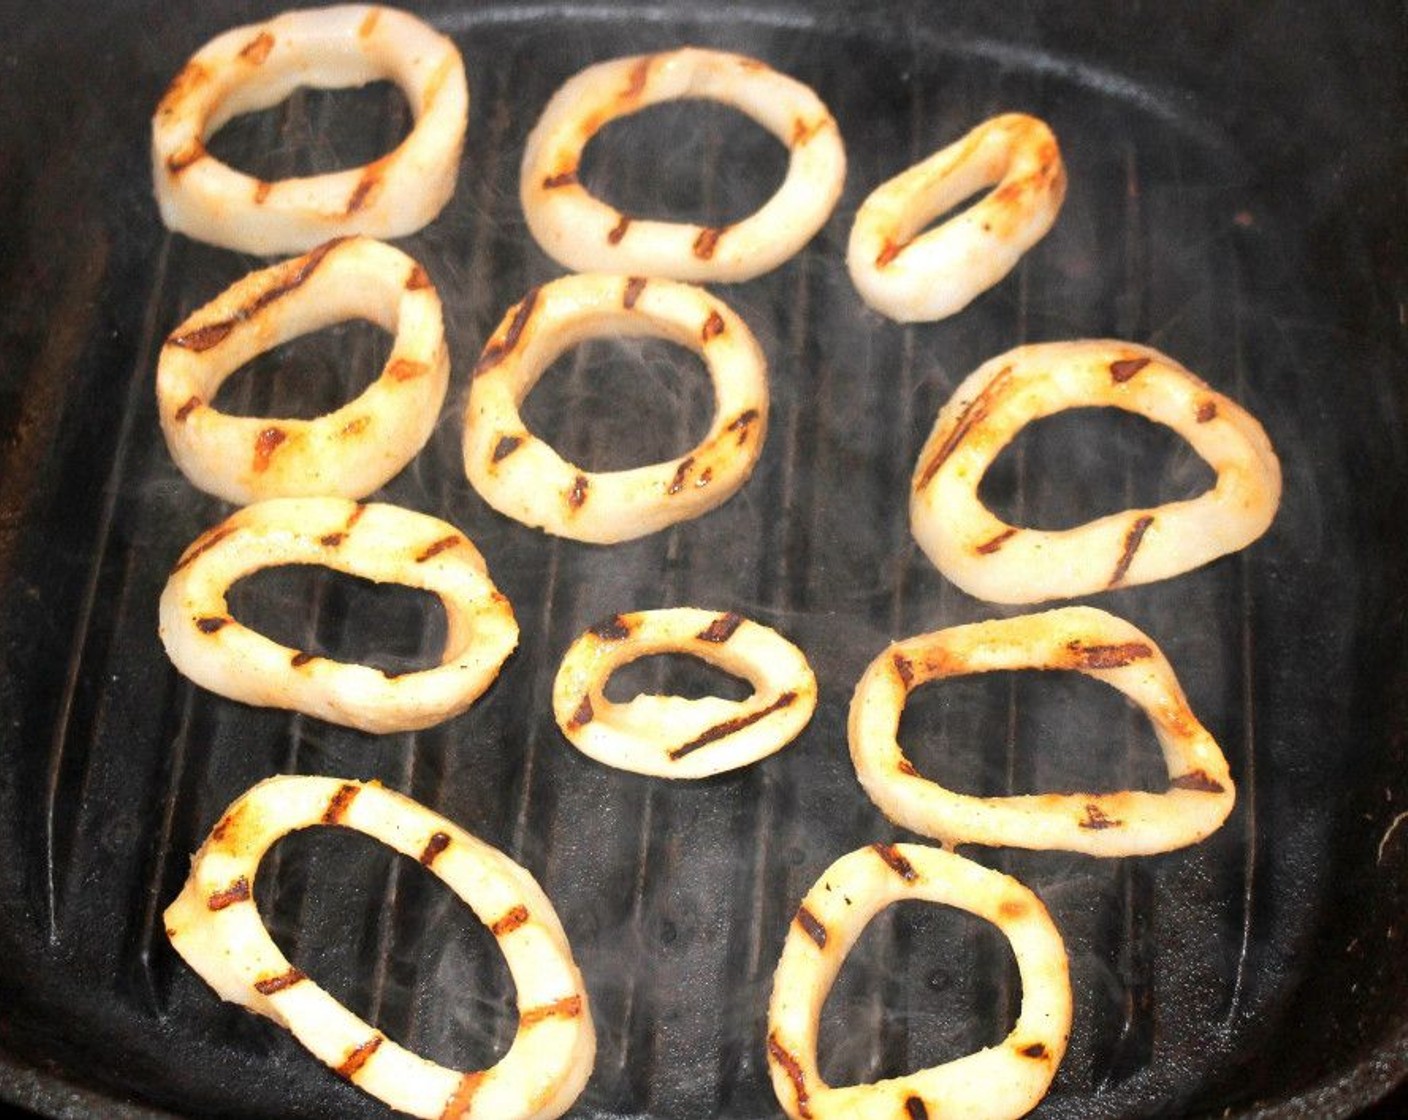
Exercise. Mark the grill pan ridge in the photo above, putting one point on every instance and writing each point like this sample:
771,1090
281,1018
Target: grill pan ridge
1236,200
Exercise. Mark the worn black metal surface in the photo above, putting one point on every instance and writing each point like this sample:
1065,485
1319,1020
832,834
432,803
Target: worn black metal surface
1237,199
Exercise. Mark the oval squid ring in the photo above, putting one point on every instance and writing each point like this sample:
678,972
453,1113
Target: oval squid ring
676,736
346,453
585,234
381,543
1089,641
1000,1082
1005,563
257,66
931,276
523,478
215,925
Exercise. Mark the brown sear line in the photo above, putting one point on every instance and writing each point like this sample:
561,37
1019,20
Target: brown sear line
583,715
177,162
974,412
436,83
1096,819
793,1068
561,179
262,190
802,131
904,667
707,242
437,843
190,76
495,352
681,474
567,1008
895,861
369,24
889,251
332,540
186,409
721,629
406,369
731,726
362,191
811,926
1207,410
613,629
915,1108
463,1096
358,1057
437,547
987,548
265,444
271,984
355,427
1126,368
634,286
238,891
1198,780
258,48
1012,908
742,423
204,544
713,327
1111,656
1035,1050
577,496
211,624
618,231
203,338
640,72
506,446
904,766
298,660
418,279
225,824
338,804
1131,546
355,516
510,921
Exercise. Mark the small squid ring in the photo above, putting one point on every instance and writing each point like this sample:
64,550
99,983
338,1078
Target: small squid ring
382,543
216,927
1000,1082
524,478
676,736
1003,563
1200,794
582,232
255,67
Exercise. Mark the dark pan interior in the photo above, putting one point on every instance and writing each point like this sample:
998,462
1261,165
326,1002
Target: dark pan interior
1237,183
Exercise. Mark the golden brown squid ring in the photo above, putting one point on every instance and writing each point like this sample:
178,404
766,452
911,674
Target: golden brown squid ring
933,275
216,927
1005,563
347,453
1089,641
676,736
997,1083
585,234
523,478
257,66
382,543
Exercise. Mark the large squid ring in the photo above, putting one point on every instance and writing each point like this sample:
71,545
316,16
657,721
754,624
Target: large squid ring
587,235
216,927
931,276
1000,1082
675,736
1128,823
347,453
257,66
381,543
523,478
1005,563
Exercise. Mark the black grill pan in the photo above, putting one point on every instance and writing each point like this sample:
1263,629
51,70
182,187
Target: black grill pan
1237,199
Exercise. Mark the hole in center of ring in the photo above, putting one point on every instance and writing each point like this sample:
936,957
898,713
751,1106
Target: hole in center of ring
613,404
674,674
341,617
693,161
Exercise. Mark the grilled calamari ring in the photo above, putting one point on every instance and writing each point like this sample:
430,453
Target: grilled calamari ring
913,278
1005,563
1083,639
523,478
216,927
996,1083
585,234
257,66
347,453
675,736
382,543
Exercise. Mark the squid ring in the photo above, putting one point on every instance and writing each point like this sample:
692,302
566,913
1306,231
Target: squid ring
1089,641
522,477
1004,563
215,925
382,543
912,278
675,736
347,453
257,66
999,1082
585,234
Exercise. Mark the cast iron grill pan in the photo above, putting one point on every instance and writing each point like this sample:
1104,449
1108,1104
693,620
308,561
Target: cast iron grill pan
1211,981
